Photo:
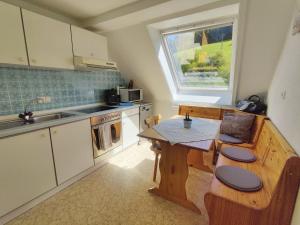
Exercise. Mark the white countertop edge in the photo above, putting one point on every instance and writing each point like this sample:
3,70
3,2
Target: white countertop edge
47,124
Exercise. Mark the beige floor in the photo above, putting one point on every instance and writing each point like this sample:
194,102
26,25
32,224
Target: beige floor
116,194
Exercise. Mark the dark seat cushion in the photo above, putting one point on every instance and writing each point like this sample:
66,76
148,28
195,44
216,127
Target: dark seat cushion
229,139
239,154
238,178
156,145
237,125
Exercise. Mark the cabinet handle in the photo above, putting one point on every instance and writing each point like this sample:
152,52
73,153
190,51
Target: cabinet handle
55,132
21,59
92,54
43,135
33,60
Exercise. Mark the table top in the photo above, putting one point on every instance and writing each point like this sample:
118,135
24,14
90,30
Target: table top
197,145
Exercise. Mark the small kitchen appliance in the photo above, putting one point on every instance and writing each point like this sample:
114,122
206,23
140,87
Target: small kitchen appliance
131,95
111,97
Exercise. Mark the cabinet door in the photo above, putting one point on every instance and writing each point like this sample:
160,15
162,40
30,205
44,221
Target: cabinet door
89,44
130,130
72,148
12,43
26,168
48,41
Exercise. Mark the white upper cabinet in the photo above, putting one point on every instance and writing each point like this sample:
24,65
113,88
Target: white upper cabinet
12,43
48,41
89,44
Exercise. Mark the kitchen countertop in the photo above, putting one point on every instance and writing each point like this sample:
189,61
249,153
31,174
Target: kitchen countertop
56,122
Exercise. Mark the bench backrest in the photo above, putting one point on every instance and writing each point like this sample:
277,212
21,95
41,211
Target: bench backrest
256,127
203,112
217,113
273,152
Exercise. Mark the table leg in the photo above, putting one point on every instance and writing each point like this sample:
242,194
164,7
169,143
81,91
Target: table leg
174,173
198,160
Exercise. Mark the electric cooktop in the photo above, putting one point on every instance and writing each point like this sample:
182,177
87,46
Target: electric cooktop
96,109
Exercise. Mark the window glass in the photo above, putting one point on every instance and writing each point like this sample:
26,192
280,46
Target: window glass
201,59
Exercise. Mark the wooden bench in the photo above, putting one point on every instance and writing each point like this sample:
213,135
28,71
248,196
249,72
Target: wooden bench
196,158
255,132
203,112
279,168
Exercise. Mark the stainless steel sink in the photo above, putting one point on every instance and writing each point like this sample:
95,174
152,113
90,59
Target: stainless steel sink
49,117
36,119
11,124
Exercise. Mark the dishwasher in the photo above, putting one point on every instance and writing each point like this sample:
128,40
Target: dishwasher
145,112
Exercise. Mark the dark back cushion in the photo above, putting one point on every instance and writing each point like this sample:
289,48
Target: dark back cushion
238,125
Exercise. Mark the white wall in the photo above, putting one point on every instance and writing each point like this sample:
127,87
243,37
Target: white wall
132,49
284,92
266,27
284,97
264,33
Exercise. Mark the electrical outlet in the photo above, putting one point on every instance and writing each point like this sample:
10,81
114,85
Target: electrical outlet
47,99
296,26
43,99
40,100
283,94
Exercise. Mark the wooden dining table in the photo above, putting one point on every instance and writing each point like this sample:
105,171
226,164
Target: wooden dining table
174,168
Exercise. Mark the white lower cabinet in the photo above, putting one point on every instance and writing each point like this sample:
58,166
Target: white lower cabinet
72,148
26,168
130,125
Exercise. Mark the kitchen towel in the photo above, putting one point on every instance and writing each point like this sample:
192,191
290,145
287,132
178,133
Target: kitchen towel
105,137
201,130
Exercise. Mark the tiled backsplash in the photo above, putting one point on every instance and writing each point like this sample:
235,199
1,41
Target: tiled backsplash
18,86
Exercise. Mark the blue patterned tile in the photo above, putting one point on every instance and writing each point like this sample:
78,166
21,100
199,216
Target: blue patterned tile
66,88
4,96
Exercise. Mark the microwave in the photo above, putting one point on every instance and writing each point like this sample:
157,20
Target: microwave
131,95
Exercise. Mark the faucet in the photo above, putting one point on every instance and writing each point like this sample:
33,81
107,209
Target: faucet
27,115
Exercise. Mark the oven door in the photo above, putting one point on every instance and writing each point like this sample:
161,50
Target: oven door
106,137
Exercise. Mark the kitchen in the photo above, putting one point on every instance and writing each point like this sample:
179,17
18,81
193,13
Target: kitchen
85,88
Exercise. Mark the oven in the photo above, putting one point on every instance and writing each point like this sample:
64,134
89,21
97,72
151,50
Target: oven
106,132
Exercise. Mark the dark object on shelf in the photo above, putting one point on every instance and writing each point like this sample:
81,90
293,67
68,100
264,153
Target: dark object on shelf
111,97
126,104
253,104
238,178
187,122
130,84
239,154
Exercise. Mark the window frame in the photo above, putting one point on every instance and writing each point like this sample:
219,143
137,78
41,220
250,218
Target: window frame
198,27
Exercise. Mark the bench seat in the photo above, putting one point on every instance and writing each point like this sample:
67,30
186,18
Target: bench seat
278,166
255,200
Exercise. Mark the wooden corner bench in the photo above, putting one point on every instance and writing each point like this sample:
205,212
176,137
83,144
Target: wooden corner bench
217,114
278,166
